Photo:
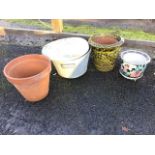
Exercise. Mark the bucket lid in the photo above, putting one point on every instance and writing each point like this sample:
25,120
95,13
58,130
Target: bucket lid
66,48
135,57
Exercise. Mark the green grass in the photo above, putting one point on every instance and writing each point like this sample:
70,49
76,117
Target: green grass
126,33
137,34
28,22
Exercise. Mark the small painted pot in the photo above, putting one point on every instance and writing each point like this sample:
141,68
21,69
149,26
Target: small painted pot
134,64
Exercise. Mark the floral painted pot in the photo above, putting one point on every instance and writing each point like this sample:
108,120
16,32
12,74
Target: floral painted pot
134,64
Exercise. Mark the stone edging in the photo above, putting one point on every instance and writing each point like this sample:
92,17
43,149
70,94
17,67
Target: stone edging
27,37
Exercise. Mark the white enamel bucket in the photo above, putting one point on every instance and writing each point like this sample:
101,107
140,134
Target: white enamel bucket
69,55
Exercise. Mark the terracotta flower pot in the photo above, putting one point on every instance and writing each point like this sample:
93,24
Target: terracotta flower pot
105,49
30,75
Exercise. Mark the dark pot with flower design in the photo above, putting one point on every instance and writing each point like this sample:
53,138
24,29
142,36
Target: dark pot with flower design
134,63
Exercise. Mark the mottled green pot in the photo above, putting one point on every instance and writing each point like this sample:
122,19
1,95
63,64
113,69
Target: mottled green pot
105,55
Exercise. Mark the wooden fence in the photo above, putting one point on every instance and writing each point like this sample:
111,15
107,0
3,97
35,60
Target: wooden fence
57,25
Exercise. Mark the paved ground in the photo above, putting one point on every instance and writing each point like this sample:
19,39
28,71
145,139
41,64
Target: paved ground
97,103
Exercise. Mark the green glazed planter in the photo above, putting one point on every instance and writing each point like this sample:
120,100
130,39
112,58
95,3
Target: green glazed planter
105,55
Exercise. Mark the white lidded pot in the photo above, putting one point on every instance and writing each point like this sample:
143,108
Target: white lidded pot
134,64
69,55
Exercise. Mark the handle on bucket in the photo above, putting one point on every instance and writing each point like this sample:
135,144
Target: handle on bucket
70,65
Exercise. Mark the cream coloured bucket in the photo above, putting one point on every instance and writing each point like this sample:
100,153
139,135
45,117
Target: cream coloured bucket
69,55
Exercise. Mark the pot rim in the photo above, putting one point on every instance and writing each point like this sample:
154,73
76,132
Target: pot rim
48,68
63,58
148,58
71,59
94,44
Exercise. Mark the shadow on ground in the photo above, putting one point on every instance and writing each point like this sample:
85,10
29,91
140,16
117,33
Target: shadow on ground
96,103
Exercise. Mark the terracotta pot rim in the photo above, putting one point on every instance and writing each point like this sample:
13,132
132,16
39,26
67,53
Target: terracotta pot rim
48,68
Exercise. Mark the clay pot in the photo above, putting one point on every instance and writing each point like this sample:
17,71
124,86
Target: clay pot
105,50
30,75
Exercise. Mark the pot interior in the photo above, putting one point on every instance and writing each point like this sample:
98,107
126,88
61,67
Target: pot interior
135,57
105,40
26,68
66,48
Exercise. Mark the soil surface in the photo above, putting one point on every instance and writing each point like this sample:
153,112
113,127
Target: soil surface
105,40
96,103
